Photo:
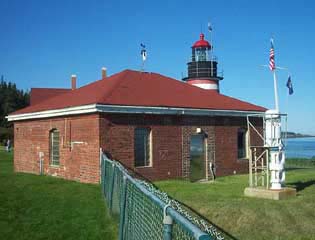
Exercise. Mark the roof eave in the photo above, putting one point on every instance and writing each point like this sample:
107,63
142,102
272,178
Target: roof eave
130,109
173,111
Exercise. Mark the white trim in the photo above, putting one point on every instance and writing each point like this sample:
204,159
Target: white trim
129,109
208,86
54,113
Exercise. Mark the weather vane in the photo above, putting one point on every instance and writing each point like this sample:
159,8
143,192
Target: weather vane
143,53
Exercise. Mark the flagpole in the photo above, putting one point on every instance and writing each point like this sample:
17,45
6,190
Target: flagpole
142,66
275,85
211,50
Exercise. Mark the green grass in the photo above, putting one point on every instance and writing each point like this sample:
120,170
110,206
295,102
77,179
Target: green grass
43,207
224,204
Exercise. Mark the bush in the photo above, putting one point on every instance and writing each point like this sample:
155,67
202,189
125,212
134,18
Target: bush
300,162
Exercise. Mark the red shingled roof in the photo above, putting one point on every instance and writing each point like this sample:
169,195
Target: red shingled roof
38,95
133,88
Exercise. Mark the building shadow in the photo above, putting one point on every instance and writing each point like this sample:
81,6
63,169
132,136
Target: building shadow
299,186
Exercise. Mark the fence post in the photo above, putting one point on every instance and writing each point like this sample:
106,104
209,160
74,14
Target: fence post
122,208
101,162
105,188
111,189
102,174
167,225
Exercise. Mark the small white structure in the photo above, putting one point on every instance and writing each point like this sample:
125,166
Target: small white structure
266,162
273,141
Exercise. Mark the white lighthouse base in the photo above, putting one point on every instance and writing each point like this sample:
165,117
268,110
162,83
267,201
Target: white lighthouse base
262,192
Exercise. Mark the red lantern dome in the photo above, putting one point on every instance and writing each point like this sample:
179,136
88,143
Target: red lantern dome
202,42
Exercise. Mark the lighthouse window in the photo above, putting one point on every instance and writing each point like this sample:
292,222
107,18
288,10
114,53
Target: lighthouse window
241,143
142,147
201,54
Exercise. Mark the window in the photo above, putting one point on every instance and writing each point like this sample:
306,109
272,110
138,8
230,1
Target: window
201,54
241,143
54,147
142,147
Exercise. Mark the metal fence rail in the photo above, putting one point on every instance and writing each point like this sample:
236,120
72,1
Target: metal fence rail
145,212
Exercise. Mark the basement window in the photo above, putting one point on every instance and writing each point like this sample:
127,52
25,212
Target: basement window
241,143
54,147
142,147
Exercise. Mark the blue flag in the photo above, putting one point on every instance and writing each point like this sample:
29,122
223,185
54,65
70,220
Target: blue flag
209,27
290,86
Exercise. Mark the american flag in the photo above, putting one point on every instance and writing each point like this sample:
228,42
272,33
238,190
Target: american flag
272,65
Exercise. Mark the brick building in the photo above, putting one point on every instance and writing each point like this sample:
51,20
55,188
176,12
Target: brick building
155,125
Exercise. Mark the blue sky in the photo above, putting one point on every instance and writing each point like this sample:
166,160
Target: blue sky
43,42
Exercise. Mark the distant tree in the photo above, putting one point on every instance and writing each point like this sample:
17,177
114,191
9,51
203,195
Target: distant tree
11,99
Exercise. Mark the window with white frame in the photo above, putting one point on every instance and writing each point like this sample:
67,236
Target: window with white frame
54,147
242,143
142,147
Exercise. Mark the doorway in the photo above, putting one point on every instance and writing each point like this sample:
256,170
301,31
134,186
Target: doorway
197,157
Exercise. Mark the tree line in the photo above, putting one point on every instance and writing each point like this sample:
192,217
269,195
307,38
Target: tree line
11,99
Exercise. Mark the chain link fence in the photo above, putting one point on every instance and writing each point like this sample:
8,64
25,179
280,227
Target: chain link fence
146,212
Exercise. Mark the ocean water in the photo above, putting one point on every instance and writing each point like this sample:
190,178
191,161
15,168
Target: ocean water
300,147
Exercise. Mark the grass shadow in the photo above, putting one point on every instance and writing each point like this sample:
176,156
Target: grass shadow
299,186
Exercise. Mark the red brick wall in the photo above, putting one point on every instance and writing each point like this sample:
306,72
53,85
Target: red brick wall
171,143
226,158
117,138
114,133
81,162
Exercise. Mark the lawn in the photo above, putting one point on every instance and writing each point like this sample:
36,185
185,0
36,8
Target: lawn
43,207
224,204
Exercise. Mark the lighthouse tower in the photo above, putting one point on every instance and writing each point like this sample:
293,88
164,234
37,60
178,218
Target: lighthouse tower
202,70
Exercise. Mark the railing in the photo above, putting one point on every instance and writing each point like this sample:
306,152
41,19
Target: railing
209,58
206,72
259,167
147,213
